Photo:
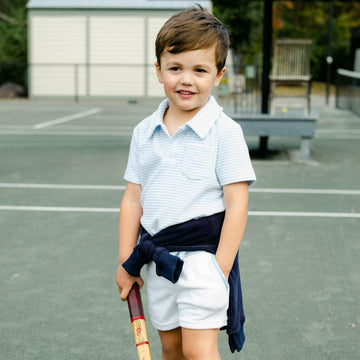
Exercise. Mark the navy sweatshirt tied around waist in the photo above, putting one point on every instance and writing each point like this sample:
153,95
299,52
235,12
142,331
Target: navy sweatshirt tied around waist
193,235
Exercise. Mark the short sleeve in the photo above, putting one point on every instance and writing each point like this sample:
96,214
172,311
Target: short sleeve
233,162
131,172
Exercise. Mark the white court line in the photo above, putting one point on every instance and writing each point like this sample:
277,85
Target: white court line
115,210
304,214
57,209
122,187
72,128
61,186
66,118
305,191
65,132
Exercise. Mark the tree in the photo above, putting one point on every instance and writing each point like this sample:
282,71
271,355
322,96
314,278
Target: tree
307,19
243,21
292,19
13,41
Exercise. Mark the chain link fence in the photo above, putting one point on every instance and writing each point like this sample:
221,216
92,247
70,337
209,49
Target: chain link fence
239,92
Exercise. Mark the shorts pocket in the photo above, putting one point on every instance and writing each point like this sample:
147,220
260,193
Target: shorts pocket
198,161
219,271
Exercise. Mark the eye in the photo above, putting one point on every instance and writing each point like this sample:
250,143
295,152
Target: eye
200,70
175,68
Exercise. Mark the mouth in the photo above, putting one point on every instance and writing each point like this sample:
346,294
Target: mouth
185,93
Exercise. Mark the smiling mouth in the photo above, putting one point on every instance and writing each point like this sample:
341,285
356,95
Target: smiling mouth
185,92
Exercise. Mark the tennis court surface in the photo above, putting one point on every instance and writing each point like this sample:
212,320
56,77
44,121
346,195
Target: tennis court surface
61,167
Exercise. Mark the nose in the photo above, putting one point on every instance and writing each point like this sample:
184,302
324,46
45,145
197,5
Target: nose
186,79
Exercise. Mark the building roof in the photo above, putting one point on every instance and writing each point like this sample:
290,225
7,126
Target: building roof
116,4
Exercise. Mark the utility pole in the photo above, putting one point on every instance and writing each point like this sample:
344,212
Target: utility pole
329,58
265,84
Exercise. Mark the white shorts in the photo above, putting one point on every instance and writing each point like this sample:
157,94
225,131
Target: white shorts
199,300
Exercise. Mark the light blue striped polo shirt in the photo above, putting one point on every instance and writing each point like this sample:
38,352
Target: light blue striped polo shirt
182,175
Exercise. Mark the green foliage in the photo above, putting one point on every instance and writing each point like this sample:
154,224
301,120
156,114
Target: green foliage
13,42
243,20
310,20
303,19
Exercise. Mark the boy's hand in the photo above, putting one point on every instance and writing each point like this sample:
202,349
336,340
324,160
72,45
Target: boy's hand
125,281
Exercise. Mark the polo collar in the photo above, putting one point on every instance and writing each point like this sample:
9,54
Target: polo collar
204,120
201,123
157,117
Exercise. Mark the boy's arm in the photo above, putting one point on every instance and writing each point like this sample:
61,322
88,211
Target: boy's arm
129,226
236,197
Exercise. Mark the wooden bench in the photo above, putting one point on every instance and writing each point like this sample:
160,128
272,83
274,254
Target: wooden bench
291,66
265,125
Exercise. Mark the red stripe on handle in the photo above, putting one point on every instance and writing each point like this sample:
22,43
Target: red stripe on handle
137,318
143,343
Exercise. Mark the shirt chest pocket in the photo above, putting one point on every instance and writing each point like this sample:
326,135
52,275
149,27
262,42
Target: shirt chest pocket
198,161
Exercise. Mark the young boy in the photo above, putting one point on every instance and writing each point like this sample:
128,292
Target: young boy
187,194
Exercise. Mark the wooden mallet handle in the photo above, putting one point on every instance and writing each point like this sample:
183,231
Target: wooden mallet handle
138,323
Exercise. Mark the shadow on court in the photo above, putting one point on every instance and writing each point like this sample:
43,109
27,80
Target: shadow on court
60,190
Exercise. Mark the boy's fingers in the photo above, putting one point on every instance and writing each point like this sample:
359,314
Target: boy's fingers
125,286
124,294
140,282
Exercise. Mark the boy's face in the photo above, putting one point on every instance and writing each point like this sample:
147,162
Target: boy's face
188,79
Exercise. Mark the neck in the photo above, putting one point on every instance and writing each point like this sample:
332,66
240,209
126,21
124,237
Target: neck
174,118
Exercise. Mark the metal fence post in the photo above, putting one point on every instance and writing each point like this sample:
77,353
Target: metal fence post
76,82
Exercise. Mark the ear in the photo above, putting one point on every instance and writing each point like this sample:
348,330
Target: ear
219,76
158,73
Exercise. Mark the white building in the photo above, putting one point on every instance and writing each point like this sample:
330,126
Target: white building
96,48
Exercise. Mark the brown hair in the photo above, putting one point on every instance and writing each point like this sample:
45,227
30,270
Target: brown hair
193,29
